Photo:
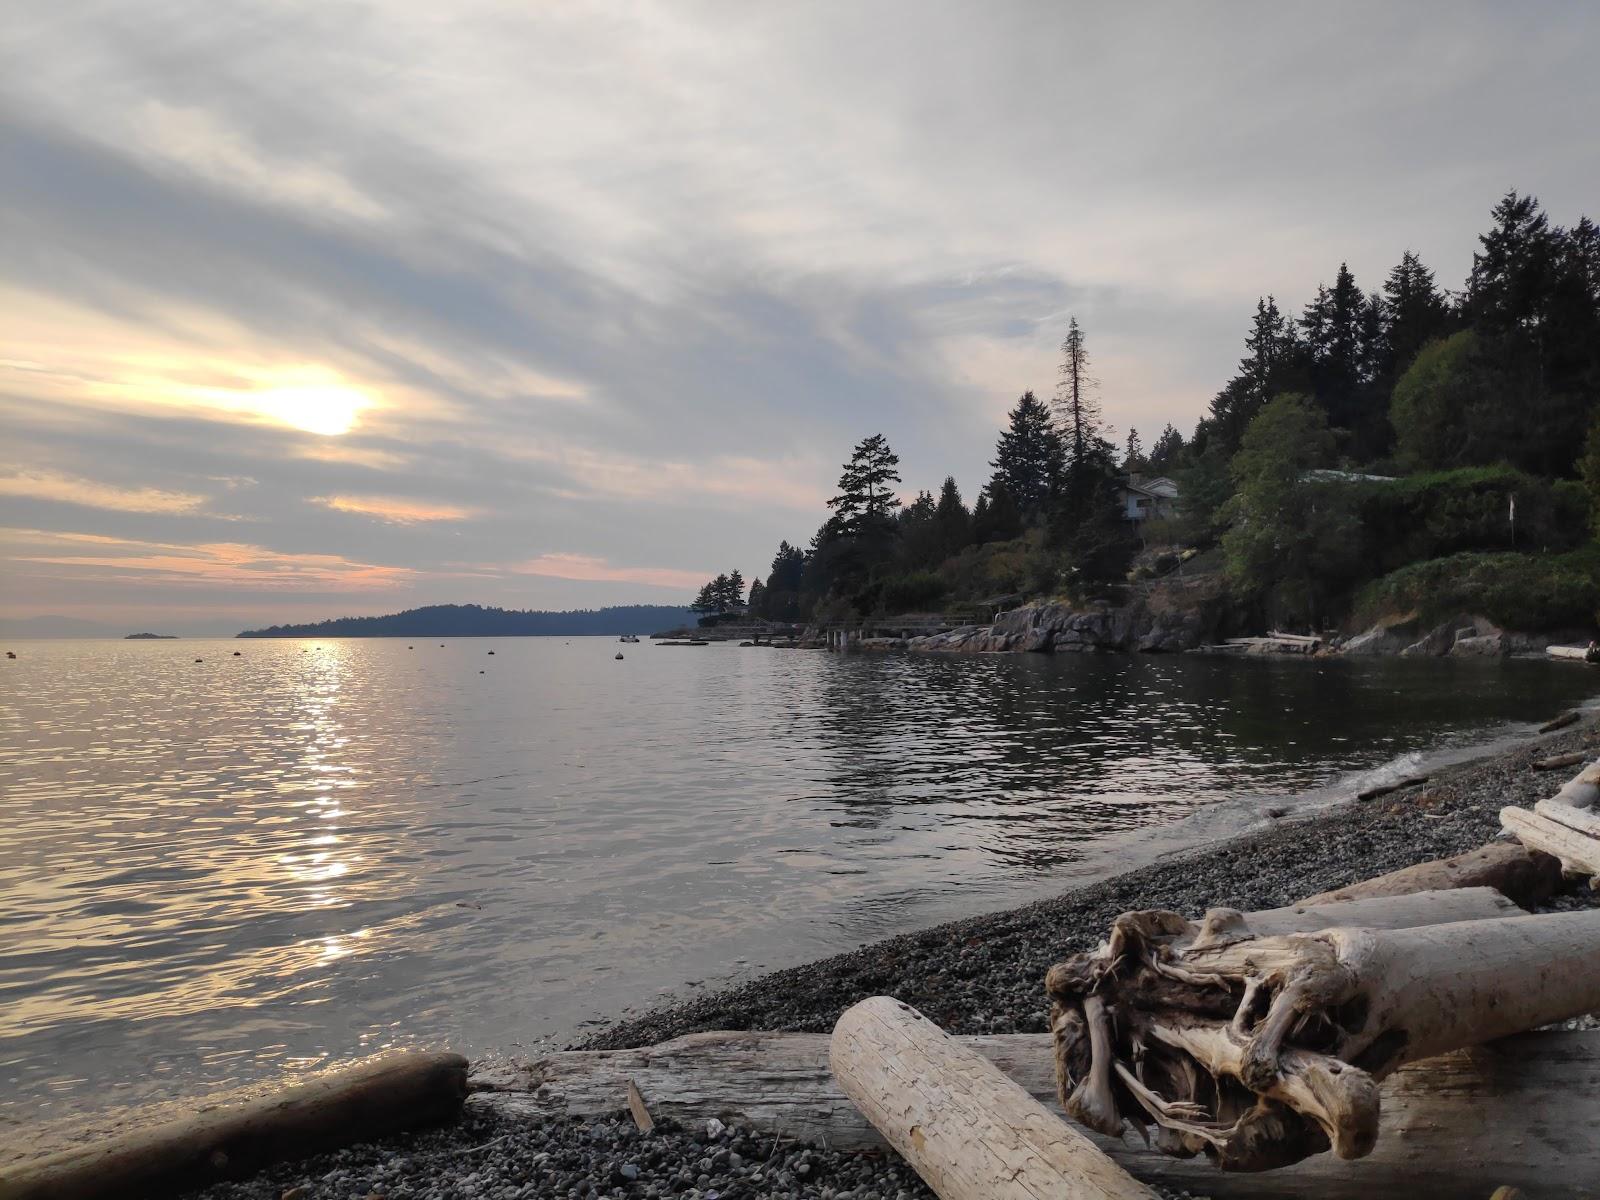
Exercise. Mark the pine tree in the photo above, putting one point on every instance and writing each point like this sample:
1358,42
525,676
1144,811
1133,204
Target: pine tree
1028,457
1165,455
758,598
866,504
997,517
734,595
1078,411
952,519
1133,459
1271,362
1415,313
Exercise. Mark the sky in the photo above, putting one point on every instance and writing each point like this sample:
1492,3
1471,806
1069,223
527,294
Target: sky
313,309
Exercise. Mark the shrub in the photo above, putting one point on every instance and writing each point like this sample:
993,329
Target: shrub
1519,591
913,592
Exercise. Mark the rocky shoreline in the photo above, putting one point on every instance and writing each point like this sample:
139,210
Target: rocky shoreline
979,975
1190,618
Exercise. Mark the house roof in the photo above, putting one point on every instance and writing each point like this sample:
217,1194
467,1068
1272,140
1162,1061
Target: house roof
1158,488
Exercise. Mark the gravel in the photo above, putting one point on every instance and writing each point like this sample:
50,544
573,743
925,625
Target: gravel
980,975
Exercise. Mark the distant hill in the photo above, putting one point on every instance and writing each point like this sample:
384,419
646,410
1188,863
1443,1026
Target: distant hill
151,637
472,620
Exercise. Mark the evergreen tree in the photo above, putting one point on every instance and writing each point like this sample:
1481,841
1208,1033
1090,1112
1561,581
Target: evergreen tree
1167,452
1133,459
997,517
1078,410
1271,362
952,519
1415,313
1589,469
1028,457
866,503
758,598
1336,325
733,595
920,544
706,600
1508,292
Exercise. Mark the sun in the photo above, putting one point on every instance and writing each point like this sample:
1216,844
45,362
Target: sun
327,409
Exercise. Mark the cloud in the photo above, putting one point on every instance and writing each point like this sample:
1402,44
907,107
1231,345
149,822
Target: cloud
554,263
588,568
68,489
395,509
95,558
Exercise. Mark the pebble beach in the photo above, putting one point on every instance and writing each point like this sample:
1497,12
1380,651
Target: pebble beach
979,975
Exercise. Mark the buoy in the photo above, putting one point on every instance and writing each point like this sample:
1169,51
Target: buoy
480,672
199,660
410,647
619,653
11,653
237,654
491,652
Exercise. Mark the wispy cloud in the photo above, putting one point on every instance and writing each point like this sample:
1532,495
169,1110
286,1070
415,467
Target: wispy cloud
96,558
69,489
591,569
396,509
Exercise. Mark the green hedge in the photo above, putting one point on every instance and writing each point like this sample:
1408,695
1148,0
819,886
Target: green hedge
1441,513
1527,592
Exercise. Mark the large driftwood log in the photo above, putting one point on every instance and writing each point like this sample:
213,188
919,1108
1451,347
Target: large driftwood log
967,1129
1501,1113
1525,876
395,1092
1583,789
1262,1050
1559,831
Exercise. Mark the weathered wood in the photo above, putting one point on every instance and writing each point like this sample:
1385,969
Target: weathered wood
1583,789
1261,1051
1557,761
1579,653
1383,789
384,1096
1581,820
1383,912
963,1125
1567,718
1578,851
642,1119
1526,876
1503,1112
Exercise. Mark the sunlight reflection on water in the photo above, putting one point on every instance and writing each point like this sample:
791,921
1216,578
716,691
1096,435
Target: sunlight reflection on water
218,869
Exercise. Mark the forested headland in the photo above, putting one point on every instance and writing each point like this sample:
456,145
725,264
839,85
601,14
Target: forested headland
1407,448
472,620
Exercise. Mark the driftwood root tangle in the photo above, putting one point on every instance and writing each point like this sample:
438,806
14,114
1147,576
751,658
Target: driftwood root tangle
395,1092
967,1129
1260,1050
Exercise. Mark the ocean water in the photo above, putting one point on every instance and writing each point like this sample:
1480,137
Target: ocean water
218,871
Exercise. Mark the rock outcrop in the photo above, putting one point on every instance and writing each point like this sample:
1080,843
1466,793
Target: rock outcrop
1161,621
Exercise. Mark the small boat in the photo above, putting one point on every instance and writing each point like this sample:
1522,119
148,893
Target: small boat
629,637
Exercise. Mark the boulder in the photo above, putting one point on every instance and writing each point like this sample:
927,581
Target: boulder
1374,641
1435,644
1489,645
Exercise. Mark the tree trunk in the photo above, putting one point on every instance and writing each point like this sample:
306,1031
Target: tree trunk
968,1130
1526,876
392,1093
1500,1113
1261,1050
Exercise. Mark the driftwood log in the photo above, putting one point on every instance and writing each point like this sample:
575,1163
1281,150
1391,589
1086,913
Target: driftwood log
1523,875
1501,1113
1260,1050
395,1092
963,1125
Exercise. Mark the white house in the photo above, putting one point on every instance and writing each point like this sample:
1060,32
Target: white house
1149,499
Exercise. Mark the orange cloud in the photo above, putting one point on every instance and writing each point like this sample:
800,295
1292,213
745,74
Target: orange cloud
395,509
69,489
586,567
98,559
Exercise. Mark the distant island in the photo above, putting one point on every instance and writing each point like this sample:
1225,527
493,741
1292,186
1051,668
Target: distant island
473,620
151,637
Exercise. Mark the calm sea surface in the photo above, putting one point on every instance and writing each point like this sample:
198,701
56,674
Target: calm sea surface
214,871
